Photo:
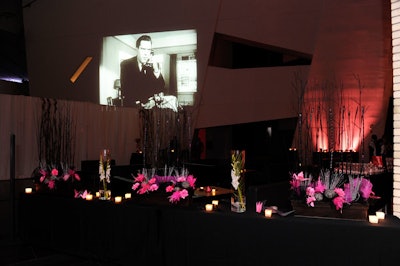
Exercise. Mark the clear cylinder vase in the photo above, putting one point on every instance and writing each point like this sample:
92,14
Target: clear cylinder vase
105,173
238,204
238,198
104,194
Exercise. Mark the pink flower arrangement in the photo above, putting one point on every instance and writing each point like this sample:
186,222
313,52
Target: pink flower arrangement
50,175
177,186
331,186
71,174
144,185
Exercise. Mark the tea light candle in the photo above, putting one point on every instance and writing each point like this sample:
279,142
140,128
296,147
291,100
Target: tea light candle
380,215
89,197
97,194
215,203
373,219
128,195
209,207
268,213
28,190
213,191
118,199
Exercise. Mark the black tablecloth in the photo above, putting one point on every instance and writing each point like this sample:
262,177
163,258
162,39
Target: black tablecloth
134,234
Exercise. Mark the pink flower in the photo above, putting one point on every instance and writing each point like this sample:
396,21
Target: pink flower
175,197
319,187
51,184
311,200
170,188
73,174
153,187
338,201
184,193
300,177
77,177
140,178
310,191
152,181
42,178
54,172
191,180
144,188
365,188
65,177
181,179
135,186
339,191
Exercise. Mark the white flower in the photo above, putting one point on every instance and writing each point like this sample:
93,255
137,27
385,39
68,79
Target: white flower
108,173
235,180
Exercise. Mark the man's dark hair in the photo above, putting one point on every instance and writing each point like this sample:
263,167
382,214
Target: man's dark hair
142,38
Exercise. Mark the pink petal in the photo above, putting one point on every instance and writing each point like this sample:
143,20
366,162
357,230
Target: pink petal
184,193
170,188
135,186
54,172
175,197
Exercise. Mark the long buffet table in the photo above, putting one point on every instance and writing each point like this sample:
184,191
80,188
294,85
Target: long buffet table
131,233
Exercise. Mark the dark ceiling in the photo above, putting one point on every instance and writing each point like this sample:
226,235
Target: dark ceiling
12,42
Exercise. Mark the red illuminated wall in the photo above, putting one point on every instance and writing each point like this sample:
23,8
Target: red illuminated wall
346,96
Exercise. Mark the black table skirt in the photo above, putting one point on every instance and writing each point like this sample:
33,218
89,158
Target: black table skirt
134,234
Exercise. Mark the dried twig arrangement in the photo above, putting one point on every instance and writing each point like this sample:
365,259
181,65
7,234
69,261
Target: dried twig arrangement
56,135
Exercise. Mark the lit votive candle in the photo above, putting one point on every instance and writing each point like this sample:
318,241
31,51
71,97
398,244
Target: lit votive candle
268,213
97,194
209,207
89,197
118,199
373,219
215,203
28,190
380,215
128,195
213,191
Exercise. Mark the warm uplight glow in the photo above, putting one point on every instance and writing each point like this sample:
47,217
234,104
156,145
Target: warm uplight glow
333,121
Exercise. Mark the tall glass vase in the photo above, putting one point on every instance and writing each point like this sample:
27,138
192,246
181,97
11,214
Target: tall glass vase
238,198
105,174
